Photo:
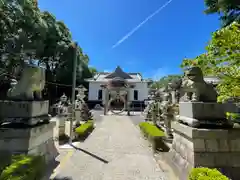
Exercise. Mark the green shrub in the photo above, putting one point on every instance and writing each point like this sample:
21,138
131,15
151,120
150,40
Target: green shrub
151,130
203,173
233,116
85,128
24,167
154,135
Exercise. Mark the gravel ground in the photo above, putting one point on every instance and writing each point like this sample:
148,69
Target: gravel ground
115,150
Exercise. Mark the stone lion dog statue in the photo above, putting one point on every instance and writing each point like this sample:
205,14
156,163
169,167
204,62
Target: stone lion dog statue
195,88
30,85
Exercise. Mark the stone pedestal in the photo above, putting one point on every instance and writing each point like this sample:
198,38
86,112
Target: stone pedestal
68,127
201,113
213,148
61,125
77,115
36,140
28,112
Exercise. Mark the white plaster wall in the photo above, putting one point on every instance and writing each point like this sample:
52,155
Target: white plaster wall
94,87
141,87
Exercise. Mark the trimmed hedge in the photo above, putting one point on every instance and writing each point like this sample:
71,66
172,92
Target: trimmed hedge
203,173
85,129
24,167
151,130
154,135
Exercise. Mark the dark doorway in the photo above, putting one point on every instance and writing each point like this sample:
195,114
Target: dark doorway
135,95
117,104
100,94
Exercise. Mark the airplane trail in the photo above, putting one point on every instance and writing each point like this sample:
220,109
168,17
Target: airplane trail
130,33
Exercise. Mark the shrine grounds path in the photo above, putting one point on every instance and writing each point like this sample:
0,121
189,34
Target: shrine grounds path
115,150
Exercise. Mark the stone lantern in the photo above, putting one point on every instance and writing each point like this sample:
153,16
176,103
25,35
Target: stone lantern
82,112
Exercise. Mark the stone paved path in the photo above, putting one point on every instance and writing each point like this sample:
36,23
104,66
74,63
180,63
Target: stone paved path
114,151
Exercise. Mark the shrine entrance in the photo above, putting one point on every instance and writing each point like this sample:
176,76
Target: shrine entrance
116,96
117,104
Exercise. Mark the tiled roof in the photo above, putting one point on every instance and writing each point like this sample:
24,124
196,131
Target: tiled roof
105,76
118,73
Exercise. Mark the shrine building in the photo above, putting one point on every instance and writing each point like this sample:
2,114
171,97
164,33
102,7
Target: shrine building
137,93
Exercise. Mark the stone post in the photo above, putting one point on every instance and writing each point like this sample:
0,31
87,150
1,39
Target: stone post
128,106
173,95
155,112
106,101
61,125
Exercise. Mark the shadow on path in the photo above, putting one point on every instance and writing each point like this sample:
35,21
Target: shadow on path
63,178
90,154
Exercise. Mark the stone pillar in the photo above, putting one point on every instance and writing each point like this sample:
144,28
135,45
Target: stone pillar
106,101
78,115
62,117
173,96
213,148
128,103
155,112
61,125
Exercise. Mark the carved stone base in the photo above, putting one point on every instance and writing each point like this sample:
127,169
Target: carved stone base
213,148
202,110
28,112
196,114
35,140
221,123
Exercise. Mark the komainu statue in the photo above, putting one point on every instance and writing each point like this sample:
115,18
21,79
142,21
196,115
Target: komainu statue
195,88
198,106
30,85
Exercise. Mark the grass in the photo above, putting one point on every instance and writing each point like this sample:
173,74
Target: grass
154,135
151,130
85,129
24,167
206,173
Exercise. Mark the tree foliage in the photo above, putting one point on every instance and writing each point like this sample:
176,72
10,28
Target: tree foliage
28,33
229,10
164,81
222,59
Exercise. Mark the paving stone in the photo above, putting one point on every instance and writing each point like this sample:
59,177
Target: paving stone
115,150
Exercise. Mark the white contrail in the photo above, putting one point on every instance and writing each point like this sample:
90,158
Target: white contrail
124,38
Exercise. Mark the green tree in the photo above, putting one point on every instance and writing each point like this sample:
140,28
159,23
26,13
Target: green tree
28,33
164,81
93,70
22,31
222,59
229,10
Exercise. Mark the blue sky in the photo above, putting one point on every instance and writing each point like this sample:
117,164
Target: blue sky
179,30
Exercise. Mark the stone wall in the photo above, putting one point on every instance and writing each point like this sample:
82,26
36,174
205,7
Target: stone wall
214,148
37,140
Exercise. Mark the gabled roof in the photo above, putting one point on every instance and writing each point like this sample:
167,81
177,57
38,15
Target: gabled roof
118,73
